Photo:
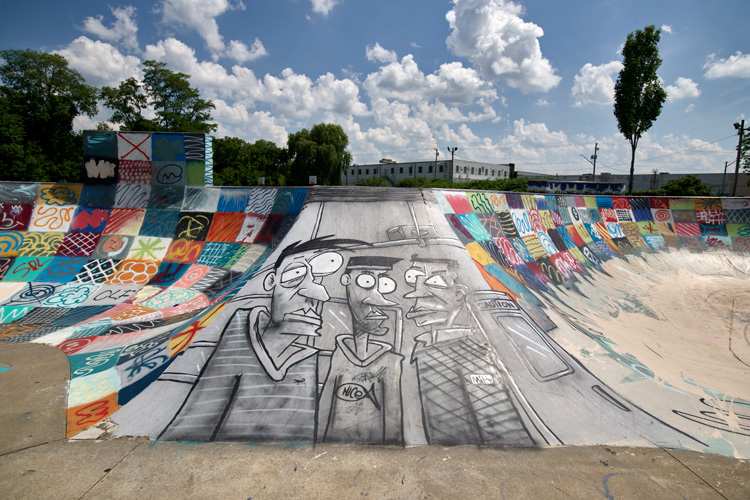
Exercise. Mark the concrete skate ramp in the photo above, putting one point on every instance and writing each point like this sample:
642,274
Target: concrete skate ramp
388,316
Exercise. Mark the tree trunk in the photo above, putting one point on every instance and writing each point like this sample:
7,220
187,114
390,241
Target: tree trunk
633,146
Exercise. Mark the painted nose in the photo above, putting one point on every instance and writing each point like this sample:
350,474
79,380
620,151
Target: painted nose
314,291
377,299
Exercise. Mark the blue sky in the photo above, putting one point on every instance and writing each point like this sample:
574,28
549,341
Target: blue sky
523,82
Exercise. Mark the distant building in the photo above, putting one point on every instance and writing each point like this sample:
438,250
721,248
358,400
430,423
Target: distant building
719,182
393,172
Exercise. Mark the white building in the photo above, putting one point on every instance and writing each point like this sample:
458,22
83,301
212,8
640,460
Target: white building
463,171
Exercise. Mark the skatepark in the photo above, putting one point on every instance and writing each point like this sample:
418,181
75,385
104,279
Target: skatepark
521,344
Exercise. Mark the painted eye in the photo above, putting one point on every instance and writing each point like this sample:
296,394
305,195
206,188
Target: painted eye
386,285
366,280
436,281
293,274
326,263
411,275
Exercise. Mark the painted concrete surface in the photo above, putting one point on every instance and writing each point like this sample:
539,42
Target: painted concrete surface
388,316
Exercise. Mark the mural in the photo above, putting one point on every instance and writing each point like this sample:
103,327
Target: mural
374,316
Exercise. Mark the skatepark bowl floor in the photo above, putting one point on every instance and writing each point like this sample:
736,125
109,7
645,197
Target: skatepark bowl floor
168,339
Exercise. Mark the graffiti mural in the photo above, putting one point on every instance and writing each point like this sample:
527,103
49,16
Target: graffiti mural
373,316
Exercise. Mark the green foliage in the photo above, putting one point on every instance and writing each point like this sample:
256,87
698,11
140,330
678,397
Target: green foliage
424,182
239,163
518,184
178,106
373,182
320,151
745,154
39,98
639,95
128,101
686,186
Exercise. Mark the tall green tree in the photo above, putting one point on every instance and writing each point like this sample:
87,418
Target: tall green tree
240,163
178,106
320,151
639,95
40,96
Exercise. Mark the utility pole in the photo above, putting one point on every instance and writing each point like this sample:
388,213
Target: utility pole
740,128
452,151
724,177
593,157
437,152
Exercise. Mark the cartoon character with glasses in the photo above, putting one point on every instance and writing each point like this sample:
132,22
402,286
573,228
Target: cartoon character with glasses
279,337
361,398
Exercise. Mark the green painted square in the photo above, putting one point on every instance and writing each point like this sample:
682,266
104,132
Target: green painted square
27,268
196,172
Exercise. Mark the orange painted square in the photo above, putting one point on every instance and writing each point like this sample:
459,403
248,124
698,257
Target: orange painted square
225,226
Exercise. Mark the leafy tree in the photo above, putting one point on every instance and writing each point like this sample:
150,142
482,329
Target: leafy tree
686,186
639,95
239,163
178,106
745,154
320,151
39,98
128,101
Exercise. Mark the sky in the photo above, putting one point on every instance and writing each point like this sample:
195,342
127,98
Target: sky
530,83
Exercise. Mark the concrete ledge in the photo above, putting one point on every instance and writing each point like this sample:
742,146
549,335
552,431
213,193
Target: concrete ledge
33,391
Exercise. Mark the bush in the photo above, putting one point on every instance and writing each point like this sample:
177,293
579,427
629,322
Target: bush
372,182
686,186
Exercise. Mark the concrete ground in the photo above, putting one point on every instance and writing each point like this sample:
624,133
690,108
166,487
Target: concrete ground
37,462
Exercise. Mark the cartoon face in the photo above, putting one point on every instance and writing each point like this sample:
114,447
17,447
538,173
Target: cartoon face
298,295
365,292
438,297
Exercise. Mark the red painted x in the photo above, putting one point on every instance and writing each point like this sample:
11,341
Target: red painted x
134,146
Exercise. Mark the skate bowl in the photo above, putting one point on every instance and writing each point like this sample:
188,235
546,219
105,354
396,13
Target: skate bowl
378,316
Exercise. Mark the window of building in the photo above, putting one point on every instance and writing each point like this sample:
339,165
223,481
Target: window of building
420,169
367,171
458,169
466,169
360,171
392,169
429,170
400,170
441,168
472,170
410,170
492,174
352,171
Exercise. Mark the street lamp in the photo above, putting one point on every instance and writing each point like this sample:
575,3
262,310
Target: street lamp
740,128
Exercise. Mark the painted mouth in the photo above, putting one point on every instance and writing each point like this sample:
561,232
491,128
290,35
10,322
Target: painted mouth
418,312
308,316
376,314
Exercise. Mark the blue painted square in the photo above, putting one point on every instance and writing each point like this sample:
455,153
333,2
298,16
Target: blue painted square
159,223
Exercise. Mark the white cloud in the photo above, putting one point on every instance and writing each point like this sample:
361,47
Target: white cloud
541,102
236,121
201,15
404,81
124,28
324,6
594,84
682,89
379,54
690,107
100,63
492,35
239,51
737,65
666,28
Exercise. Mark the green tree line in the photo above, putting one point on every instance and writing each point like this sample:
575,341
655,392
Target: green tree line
41,96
